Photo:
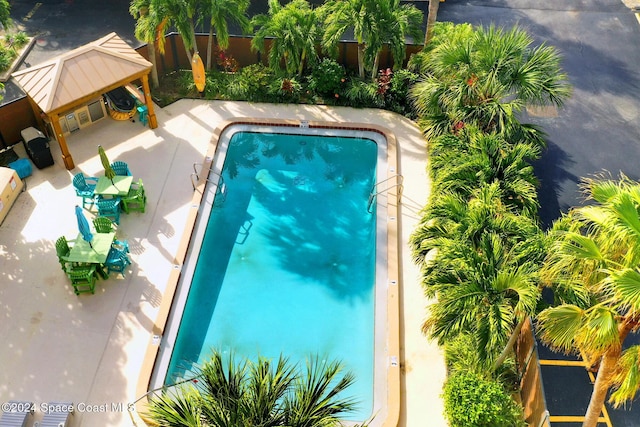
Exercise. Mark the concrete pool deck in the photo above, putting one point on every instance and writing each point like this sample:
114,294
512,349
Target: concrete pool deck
90,349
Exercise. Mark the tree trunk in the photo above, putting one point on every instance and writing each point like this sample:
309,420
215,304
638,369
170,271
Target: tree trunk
361,60
209,48
601,387
374,71
603,379
303,58
151,47
507,348
431,19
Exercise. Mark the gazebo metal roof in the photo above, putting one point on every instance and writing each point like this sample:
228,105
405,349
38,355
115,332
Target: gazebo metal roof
68,79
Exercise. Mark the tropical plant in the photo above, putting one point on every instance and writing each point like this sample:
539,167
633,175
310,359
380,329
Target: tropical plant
486,290
251,83
184,15
286,89
220,13
5,14
593,269
452,217
461,355
397,92
479,257
473,401
327,77
149,17
295,29
463,162
485,78
374,24
363,94
260,393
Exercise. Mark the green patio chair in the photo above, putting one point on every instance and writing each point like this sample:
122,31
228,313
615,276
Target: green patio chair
63,250
136,200
102,224
83,278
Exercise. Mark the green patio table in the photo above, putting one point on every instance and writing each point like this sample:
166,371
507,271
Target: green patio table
119,187
96,253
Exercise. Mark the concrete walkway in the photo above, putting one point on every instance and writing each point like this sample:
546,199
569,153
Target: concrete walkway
89,349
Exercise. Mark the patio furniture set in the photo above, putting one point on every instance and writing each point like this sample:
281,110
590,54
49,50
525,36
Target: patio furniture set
95,254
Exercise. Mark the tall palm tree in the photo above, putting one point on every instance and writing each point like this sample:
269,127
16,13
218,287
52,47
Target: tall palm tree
593,268
394,23
147,22
374,23
220,12
483,271
184,15
260,393
295,29
452,216
485,290
485,78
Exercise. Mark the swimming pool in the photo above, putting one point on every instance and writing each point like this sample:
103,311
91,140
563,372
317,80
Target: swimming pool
294,214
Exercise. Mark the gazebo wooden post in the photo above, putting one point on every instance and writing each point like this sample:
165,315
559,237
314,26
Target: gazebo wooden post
153,121
66,155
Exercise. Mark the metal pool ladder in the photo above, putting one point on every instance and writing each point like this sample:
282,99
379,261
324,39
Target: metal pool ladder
221,186
375,190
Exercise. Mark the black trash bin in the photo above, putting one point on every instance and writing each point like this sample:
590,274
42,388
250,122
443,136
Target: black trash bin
37,147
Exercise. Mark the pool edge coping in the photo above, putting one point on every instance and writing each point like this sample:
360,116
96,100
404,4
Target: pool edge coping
393,258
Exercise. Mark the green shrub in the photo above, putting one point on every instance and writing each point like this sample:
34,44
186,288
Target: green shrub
20,39
327,78
473,401
397,96
6,58
217,84
251,83
461,355
285,89
363,94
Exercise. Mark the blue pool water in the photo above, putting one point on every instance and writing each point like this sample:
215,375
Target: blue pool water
287,262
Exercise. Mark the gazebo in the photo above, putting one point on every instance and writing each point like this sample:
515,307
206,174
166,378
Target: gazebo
77,77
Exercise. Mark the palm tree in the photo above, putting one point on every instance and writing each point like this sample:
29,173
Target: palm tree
452,216
479,258
147,22
374,23
461,163
485,290
485,78
260,393
220,12
593,268
295,31
184,15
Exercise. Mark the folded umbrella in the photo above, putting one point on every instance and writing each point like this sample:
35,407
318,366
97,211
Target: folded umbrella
108,170
83,226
